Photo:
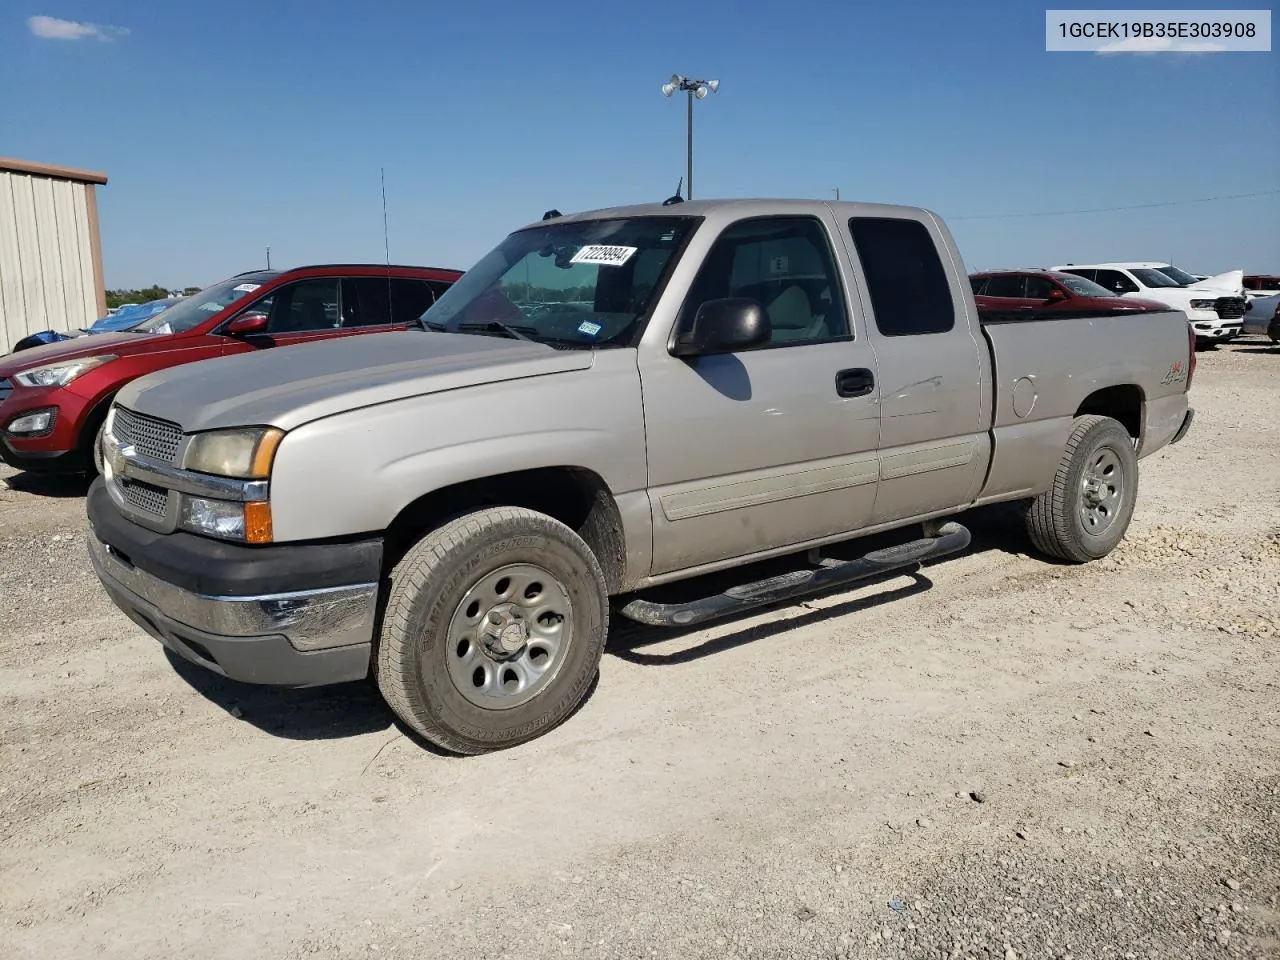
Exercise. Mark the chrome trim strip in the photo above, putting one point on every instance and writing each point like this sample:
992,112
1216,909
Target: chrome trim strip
159,474
309,619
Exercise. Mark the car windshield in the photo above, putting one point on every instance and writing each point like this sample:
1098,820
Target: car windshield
1153,278
1086,288
1180,277
194,310
575,284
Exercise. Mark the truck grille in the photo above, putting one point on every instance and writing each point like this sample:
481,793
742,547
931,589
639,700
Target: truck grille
150,436
145,497
1230,308
6,388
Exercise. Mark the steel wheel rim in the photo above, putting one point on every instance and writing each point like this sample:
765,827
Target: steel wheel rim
1101,491
509,636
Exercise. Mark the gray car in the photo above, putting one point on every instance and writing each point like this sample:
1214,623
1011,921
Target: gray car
1262,317
606,403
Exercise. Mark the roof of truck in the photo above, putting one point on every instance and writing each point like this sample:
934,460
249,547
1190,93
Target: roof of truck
746,206
1120,264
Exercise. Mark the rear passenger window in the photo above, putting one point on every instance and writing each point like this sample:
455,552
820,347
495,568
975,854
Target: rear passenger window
1005,285
410,299
905,279
364,301
784,264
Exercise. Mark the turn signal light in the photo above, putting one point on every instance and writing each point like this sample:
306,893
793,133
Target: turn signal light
257,522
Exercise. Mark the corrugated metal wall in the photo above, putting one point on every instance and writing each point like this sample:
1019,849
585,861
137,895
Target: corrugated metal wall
46,257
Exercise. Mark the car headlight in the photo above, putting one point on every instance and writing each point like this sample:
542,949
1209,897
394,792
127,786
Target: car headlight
60,374
228,520
242,453
1203,304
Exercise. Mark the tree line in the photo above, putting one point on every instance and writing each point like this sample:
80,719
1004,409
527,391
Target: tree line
154,292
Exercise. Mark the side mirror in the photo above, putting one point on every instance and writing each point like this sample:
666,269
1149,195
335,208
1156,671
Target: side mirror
247,323
724,326
1056,295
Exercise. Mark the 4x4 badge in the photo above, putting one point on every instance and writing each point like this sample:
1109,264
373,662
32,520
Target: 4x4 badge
1177,373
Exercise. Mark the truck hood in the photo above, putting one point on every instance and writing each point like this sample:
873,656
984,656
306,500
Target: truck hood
1230,283
121,344
288,386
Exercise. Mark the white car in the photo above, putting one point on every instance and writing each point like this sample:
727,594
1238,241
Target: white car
1214,306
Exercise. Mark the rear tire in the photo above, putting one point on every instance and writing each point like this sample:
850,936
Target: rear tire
1087,509
494,629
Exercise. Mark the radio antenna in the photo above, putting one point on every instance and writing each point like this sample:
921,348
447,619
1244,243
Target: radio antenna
386,241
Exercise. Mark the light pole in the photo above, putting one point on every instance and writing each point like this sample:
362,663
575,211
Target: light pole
694,88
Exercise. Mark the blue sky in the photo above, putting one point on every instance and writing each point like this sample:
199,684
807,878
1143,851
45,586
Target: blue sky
226,127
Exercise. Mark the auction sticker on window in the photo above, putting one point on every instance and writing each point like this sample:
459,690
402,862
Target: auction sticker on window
604,254
246,287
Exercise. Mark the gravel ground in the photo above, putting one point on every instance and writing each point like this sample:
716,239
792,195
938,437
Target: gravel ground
997,757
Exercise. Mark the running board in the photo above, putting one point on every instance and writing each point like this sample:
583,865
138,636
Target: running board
950,538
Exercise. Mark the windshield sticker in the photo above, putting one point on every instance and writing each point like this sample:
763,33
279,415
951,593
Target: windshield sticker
604,254
246,287
163,328
589,328
211,306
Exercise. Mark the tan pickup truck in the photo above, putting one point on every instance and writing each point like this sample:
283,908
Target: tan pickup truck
605,403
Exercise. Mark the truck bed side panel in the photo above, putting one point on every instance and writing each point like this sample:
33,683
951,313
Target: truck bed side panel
1046,369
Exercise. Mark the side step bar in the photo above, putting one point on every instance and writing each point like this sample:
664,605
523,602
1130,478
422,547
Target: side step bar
951,537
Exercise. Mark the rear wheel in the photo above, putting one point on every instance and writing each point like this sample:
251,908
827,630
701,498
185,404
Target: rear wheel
1086,511
493,632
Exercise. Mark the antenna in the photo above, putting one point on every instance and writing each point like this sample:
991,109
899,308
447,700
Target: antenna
386,244
386,241
675,197
268,256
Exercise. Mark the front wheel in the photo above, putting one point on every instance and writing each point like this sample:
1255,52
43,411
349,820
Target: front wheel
1086,511
493,632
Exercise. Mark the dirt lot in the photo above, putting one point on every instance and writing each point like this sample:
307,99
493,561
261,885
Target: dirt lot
997,757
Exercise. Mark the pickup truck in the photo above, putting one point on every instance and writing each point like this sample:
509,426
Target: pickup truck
605,403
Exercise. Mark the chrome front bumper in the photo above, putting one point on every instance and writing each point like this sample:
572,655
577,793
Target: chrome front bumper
304,638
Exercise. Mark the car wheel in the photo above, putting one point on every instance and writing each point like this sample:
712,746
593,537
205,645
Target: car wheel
494,628
95,458
1086,511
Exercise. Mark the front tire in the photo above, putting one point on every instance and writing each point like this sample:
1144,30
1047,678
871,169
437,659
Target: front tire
494,629
1086,511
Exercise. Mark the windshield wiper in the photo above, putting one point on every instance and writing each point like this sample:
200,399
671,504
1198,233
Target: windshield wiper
497,326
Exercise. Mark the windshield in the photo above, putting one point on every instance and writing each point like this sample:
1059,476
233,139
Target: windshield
1154,278
1086,288
193,311
584,284
1180,277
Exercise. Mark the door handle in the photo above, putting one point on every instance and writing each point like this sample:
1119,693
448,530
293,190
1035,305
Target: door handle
855,382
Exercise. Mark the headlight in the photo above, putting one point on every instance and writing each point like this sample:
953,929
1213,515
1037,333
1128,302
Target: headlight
248,522
245,454
1203,304
31,424
60,374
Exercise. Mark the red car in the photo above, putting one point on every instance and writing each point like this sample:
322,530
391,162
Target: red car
54,398
1014,294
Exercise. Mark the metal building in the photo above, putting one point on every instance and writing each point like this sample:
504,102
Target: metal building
50,250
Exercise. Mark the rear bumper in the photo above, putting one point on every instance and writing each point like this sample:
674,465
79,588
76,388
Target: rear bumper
268,615
1186,425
